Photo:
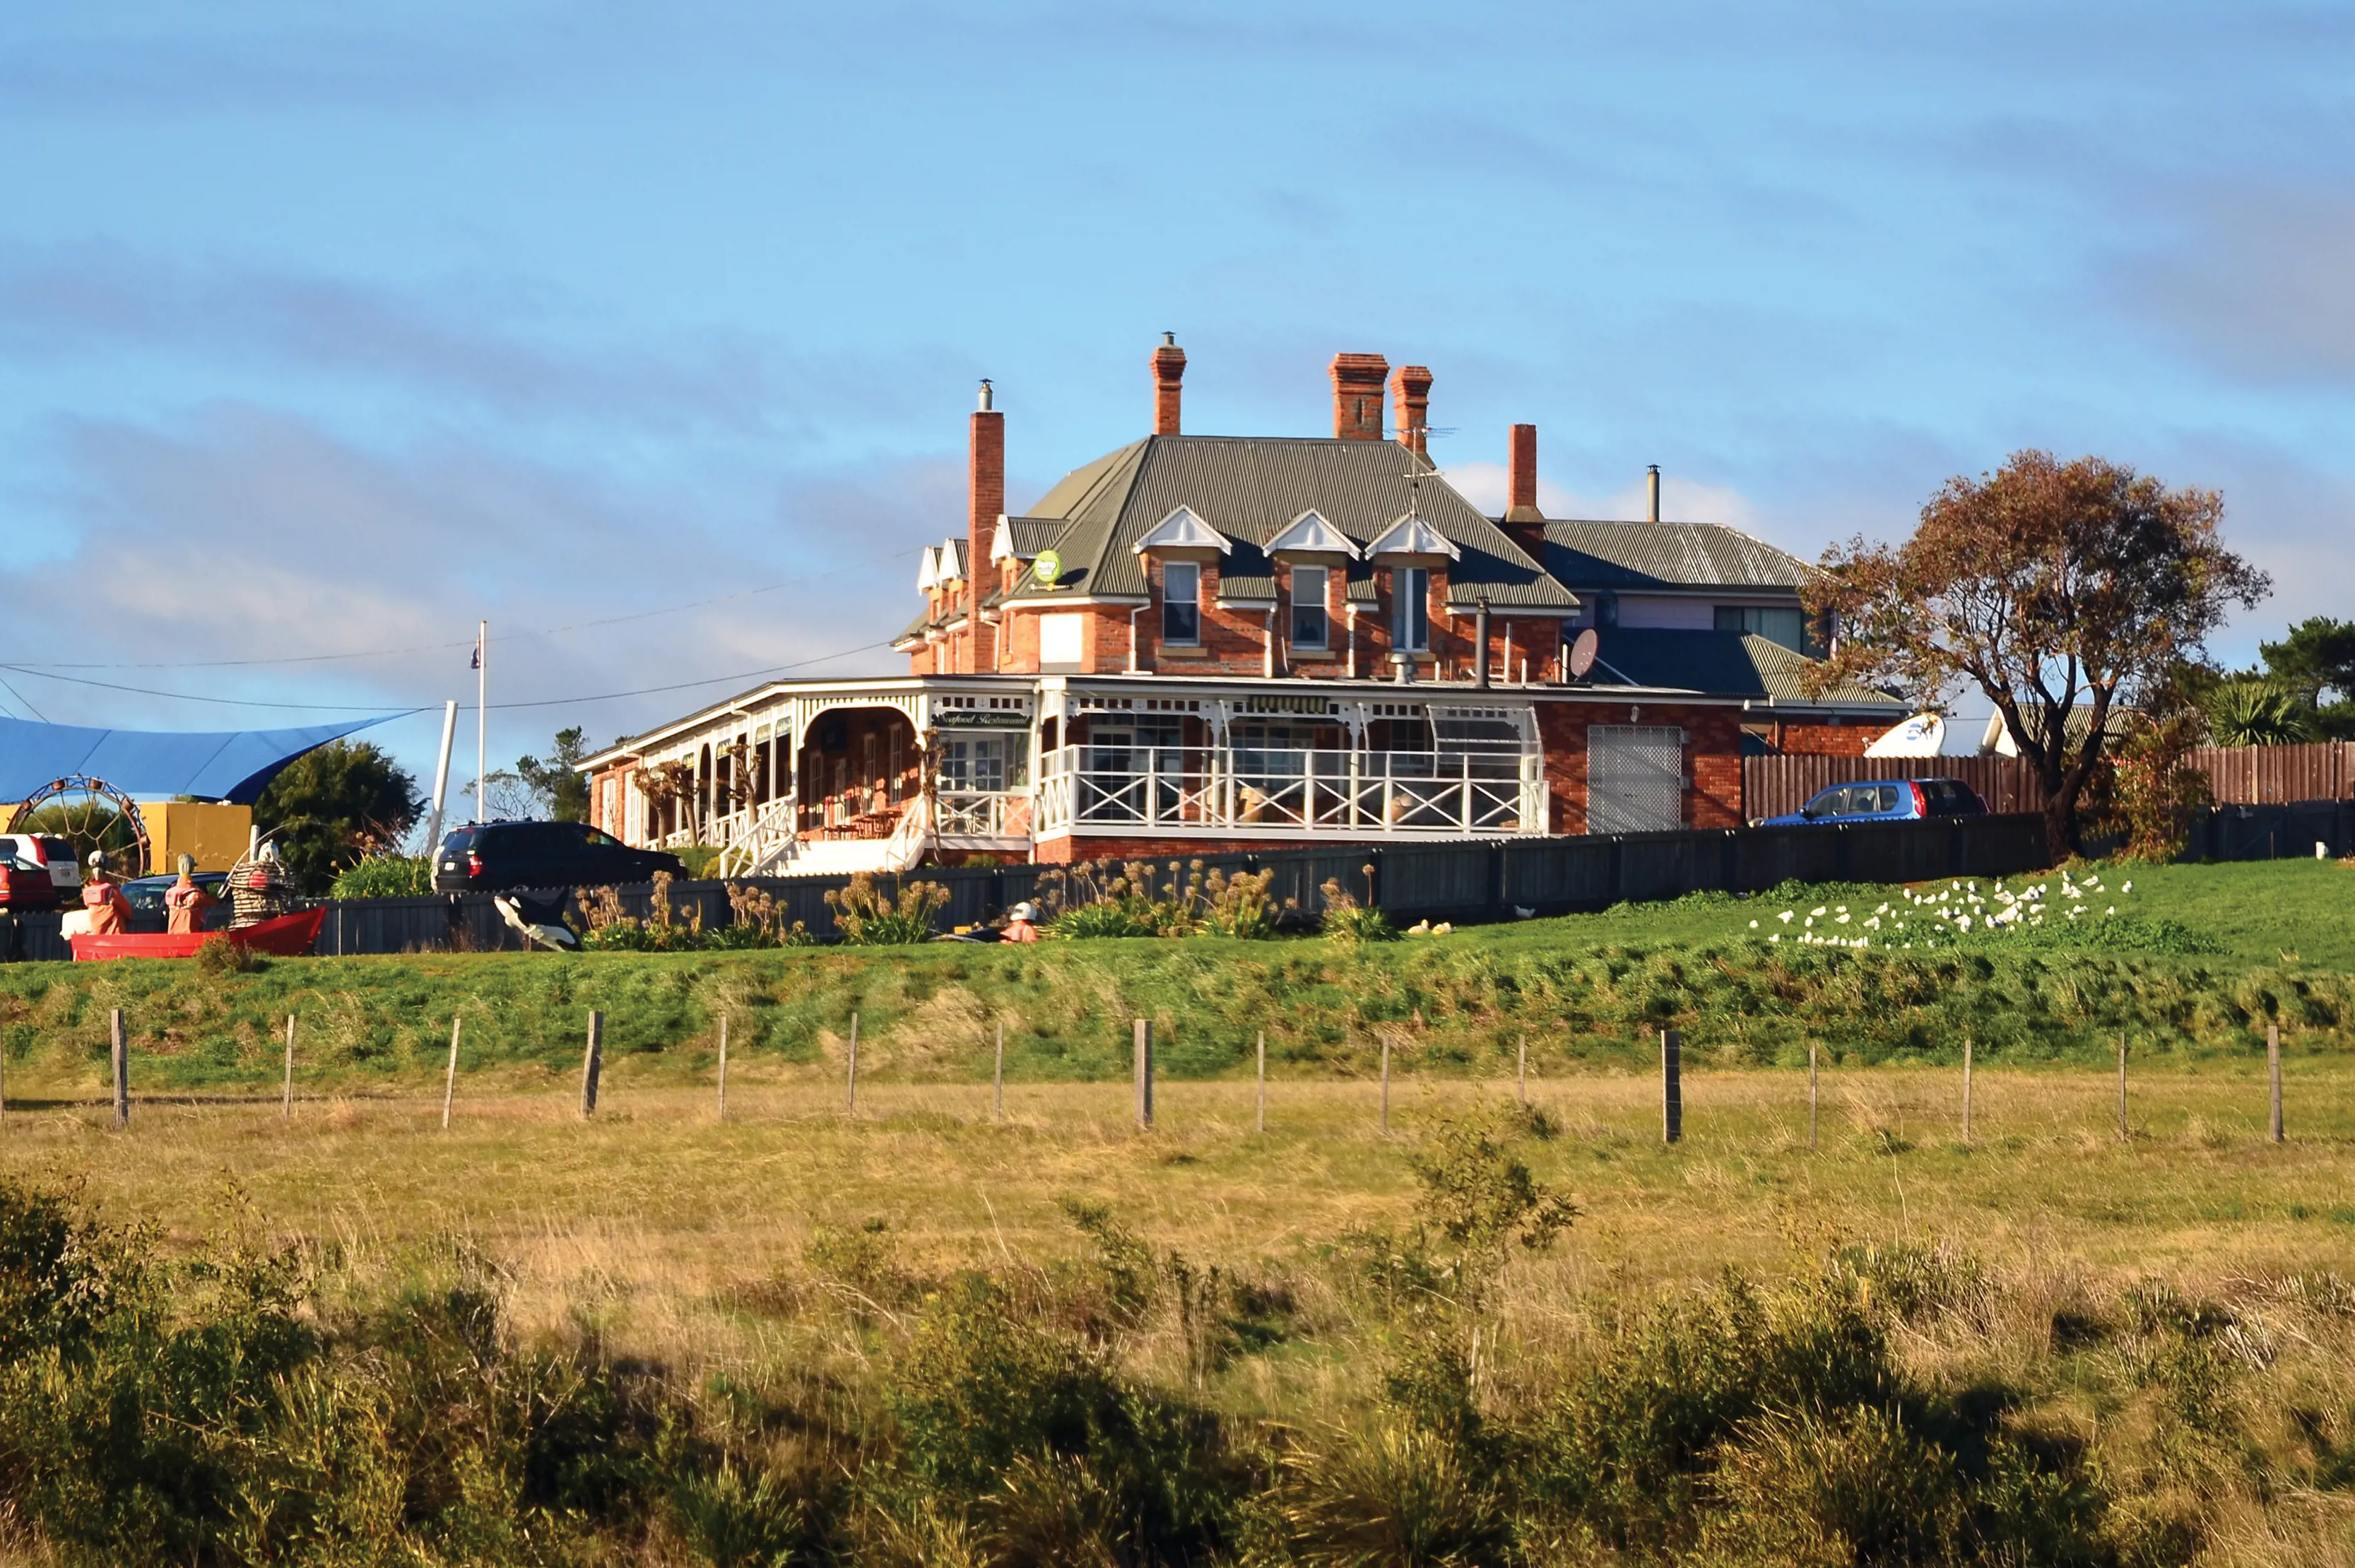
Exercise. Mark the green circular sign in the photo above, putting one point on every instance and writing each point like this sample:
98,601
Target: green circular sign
1048,567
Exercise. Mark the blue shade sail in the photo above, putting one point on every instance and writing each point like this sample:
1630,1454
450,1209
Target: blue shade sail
234,765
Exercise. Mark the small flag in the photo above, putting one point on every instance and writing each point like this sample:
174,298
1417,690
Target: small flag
477,662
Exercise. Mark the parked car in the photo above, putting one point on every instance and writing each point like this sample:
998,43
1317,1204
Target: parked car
492,856
37,871
1886,800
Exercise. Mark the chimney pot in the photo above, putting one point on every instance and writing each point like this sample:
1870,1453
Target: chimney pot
1410,390
1358,395
1652,488
984,405
1169,374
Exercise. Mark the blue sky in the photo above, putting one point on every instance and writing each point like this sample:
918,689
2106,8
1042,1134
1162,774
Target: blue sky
328,330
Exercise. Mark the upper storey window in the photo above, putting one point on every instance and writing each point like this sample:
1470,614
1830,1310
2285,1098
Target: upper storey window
1774,622
1411,609
1181,602
1311,625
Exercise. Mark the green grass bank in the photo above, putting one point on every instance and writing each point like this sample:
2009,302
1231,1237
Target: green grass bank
2194,963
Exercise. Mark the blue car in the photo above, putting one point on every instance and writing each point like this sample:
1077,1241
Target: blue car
1886,800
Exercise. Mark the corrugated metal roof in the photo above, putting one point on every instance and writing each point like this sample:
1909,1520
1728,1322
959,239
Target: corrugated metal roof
1723,663
1619,556
1024,537
1249,488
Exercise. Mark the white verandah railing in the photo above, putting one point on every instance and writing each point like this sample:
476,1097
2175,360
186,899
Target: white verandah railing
1413,794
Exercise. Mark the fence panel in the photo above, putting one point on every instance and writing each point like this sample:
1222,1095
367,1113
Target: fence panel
1768,856
1440,880
2270,775
1666,865
1555,876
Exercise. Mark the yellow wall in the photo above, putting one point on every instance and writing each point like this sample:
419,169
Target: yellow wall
215,835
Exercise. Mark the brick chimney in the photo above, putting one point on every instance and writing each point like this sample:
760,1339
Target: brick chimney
1168,370
1358,395
1522,522
986,493
1410,395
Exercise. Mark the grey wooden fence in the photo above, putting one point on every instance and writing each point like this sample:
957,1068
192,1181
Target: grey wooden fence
2237,776
1459,881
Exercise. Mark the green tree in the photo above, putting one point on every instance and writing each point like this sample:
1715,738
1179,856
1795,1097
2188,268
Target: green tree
2258,713
334,804
560,789
2318,657
2051,587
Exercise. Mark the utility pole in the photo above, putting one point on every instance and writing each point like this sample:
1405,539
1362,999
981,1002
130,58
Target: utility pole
481,722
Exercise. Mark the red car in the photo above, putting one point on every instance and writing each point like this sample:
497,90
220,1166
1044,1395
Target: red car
30,867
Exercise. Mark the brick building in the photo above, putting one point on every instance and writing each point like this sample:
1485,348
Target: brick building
1199,642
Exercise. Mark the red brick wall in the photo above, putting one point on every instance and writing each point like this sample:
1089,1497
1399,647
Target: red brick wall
1823,737
1712,757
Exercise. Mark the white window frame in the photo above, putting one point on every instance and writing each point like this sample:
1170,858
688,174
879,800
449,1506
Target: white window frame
1171,602
1318,604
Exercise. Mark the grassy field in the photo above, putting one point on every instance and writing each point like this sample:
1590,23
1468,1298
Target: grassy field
2197,962
919,1334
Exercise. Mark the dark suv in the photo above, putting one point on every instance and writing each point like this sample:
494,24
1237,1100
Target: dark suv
497,855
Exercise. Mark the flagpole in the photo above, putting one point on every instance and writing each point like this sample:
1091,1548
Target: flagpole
482,721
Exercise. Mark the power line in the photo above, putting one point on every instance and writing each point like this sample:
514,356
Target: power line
362,707
38,668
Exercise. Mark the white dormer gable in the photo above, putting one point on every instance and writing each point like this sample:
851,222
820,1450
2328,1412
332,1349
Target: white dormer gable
1414,535
952,566
1001,547
1310,534
928,570
1182,529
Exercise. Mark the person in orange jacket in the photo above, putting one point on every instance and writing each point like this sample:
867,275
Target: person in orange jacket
103,899
184,902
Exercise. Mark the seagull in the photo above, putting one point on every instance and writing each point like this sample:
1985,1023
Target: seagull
1523,912
541,923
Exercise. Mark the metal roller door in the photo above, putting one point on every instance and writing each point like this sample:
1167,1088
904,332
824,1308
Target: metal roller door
1634,778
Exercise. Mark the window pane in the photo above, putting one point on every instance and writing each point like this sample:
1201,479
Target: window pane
1729,618
1181,602
1410,614
1308,617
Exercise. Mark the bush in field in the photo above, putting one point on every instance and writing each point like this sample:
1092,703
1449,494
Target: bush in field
384,876
1348,921
871,918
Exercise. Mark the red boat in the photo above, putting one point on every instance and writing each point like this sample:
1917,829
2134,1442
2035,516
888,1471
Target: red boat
288,936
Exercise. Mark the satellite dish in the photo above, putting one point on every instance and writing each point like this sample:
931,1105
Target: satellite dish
1048,567
1583,652
1920,736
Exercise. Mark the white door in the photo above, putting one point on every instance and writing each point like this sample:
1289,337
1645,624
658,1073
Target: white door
1634,778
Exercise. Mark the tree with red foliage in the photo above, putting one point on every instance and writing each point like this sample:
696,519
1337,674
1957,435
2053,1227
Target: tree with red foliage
2052,587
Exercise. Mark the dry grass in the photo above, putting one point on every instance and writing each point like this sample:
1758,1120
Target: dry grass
656,1220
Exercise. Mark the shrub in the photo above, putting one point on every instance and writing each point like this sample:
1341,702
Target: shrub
384,876
217,954
1347,920
869,918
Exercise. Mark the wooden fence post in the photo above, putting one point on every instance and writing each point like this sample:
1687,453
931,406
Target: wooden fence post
450,1079
1386,1086
121,1045
1259,1124
1672,1093
1521,1071
2123,1136
1966,1091
286,1104
850,1072
723,1067
998,1078
1811,1095
591,1060
2272,1071
1144,1071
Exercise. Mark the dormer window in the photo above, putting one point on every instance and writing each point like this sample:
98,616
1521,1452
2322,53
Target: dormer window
1311,624
1411,609
1181,602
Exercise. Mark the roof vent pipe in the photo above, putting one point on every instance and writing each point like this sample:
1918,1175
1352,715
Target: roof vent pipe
1651,486
1480,636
